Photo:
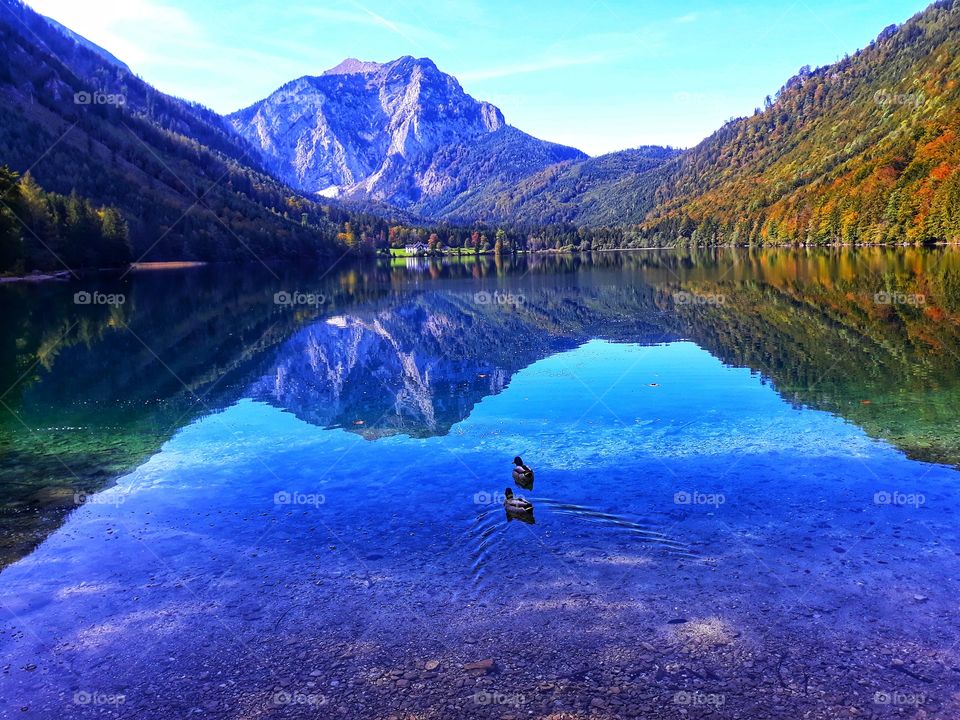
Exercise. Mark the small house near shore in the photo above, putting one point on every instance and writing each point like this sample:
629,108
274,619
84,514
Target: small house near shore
417,248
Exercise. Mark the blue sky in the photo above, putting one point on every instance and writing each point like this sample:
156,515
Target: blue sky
600,75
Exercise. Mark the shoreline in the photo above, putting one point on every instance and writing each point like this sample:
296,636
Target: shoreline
166,265
678,246
67,275
62,276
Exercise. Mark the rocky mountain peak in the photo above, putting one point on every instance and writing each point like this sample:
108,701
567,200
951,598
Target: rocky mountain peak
352,66
401,132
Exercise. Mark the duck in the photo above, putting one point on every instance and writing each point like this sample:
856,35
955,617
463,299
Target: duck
527,518
516,506
522,474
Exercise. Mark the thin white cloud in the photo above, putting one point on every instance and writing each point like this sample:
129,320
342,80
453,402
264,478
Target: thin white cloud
118,25
363,15
615,46
382,21
688,18
473,13
543,64
532,66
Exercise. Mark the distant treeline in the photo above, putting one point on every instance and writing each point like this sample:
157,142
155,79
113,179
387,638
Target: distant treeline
482,237
42,230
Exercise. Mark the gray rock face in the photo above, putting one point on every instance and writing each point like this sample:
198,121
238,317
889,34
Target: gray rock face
402,132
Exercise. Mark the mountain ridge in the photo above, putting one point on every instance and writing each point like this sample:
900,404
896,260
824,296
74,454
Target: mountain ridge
90,45
394,132
862,150
187,186
350,66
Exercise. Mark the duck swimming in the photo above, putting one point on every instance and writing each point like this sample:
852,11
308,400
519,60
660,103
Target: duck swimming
522,474
516,506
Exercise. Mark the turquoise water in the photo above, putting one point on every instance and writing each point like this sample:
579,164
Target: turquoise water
311,539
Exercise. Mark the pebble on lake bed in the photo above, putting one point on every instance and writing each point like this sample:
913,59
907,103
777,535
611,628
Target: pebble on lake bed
482,666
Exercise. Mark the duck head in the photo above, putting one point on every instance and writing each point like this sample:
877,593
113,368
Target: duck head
508,494
518,460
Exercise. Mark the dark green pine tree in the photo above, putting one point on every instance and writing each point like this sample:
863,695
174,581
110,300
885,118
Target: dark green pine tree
11,202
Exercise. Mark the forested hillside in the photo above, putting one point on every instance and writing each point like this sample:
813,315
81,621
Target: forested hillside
186,185
572,191
865,150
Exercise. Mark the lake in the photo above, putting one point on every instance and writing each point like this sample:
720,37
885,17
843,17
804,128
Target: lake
244,492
